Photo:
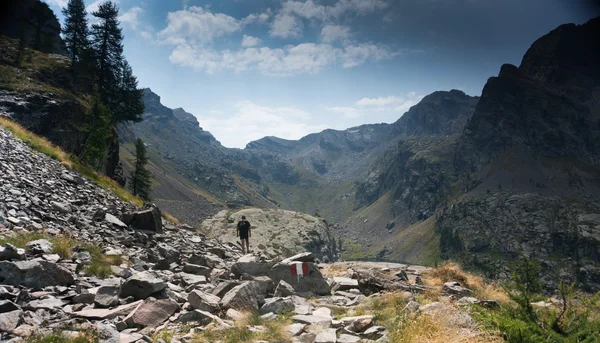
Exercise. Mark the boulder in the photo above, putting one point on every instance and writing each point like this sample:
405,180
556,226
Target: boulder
39,246
224,287
10,252
61,207
108,294
284,289
151,313
102,314
149,220
35,274
301,257
242,297
343,284
203,301
114,220
10,320
313,281
326,336
142,285
8,306
277,305
265,284
196,269
192,279
455,288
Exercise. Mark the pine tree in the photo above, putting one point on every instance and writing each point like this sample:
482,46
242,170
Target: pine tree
141,180
98,123
76,30
131,105
107,42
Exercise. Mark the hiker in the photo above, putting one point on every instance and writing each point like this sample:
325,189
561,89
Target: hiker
243,231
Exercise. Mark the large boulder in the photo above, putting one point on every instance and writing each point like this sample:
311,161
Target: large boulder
35,274
277,305
108,294
39,246
242,297
10,252
203,301
142,285
149,220
151,313
313,281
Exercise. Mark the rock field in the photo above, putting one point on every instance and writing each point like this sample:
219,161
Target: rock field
167,275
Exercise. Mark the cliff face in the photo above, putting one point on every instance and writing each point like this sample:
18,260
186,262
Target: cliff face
529,164
33,21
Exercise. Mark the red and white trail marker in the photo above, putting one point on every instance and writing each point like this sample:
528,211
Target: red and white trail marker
299,268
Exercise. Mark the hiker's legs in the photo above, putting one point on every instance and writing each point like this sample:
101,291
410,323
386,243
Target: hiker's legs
248,245
244,242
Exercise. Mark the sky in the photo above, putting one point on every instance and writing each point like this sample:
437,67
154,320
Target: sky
254,68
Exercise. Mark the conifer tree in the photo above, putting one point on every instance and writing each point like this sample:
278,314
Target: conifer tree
141,179
107,42
75,30
98,122
131,105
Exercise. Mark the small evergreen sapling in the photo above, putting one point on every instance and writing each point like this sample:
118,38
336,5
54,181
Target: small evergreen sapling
141,179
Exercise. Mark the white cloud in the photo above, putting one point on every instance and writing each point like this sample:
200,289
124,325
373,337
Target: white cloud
59,3
147,35
93,7
332,33
257,18
197,25
286,26
131,17
358,54
347,111
251,121
290,60
379,102
390,103
249,41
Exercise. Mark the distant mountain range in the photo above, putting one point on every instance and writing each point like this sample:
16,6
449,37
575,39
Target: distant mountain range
480,179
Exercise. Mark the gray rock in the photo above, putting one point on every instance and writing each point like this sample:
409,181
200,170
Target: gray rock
326,336
203,301
61,207
295,329
149,220
114,220
343,284
242,297
455,288
196,269
265,284
142,285
284,289
39,246
10,252
151,313
312,282
192,279
346,338
107,333
301,257
10,320
169,253
108,294
224,287
87,298
8,306
35,274
277,305
46,304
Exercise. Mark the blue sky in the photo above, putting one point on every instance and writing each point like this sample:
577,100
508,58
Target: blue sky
254,68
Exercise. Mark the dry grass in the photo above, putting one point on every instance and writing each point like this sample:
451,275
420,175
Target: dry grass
437,327
36,142
169,217
482,289
334,269
64,245
274,331
47,148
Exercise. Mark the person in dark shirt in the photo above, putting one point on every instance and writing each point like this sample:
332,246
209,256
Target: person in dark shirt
243,231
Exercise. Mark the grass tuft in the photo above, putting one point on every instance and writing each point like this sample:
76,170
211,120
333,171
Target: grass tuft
275,331
169,217
64,246
60,337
